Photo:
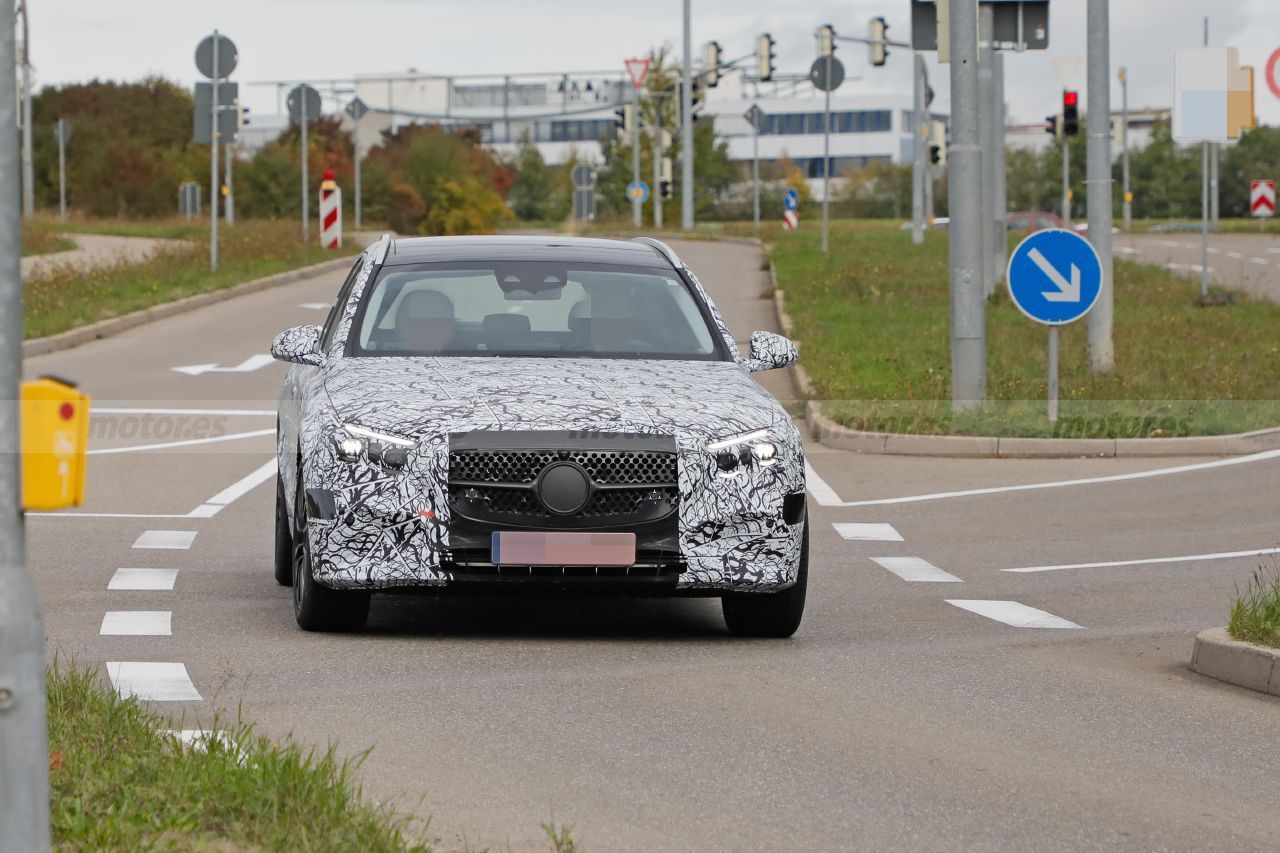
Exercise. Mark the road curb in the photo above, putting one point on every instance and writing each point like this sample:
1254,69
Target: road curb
1217,654
828,432
115,325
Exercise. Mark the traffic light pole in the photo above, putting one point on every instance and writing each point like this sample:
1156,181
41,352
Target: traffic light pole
1102,356
919,152
1066,181
964,177
1124,145
999,194
213,160
656,152
24,749
229,206
637,206
686,124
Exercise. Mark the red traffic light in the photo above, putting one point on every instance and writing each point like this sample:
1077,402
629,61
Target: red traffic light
1070,98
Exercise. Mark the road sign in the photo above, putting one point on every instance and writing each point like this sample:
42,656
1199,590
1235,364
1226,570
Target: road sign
584,177
1213,94
357,109
791,201
227,56
638,191
1273,73
1054,276
637,70
756,117
1262,198
790,219
296,102
228,120
826,74
1017,24
63,131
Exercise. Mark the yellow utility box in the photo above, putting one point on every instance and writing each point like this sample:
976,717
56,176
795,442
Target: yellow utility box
55,436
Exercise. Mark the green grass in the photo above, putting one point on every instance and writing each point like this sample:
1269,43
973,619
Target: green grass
176,228
1255,614
118,782
63,298
872,320
41,237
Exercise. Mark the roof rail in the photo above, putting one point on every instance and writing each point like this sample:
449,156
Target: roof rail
381,249
662,248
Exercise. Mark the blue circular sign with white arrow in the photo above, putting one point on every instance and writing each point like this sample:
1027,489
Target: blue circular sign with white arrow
791,200
1055,276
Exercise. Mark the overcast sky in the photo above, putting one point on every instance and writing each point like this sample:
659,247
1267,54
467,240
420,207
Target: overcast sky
77,40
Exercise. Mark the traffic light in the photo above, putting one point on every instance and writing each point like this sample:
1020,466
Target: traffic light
711,59
1053,126
624,122
938,143
877,33
1070,112
935,154
764,56
695,99
242,114
664,179
826,40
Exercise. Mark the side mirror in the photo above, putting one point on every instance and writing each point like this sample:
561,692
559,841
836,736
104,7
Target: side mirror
300,345
769,351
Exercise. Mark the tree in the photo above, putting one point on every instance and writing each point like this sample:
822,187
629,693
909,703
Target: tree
1255,157
533,194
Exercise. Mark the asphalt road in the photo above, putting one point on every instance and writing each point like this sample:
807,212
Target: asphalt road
1247,262
899,716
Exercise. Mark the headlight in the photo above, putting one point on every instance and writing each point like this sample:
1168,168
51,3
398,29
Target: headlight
390,450
735,451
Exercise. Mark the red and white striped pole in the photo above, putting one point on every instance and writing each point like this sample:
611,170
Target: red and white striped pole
330,212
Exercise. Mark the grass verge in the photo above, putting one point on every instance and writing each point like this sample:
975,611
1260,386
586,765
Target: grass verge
873,317
41,237
175,228
119,782
1255,614
63,297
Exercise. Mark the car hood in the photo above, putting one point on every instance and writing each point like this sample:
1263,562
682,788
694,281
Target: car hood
415,397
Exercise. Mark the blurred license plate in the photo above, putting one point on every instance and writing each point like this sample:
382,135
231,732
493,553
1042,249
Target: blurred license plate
535,548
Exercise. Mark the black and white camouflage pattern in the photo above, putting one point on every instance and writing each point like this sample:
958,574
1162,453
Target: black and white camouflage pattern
391,526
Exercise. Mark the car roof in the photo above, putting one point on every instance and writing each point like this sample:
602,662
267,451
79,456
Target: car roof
511,247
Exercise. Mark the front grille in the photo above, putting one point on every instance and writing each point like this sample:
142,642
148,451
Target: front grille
498,485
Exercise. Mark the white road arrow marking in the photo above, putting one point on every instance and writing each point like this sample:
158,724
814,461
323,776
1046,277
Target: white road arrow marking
1068,291
315,306
250,364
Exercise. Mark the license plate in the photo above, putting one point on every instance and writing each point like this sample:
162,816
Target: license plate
536,548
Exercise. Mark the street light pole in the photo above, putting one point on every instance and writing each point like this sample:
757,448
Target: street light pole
1124,145
964,180
213,159
920,125
986,112
755,168
24,749
686,125
1102,357
637,206
28,169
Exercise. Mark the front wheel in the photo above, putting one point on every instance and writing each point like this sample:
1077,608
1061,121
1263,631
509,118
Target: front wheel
317,607
770,614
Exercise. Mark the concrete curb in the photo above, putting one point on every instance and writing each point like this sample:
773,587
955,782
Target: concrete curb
832,434
116,325
1217,654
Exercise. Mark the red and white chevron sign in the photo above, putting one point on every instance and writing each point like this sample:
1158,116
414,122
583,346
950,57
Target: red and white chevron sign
790,219
1262,198
330,212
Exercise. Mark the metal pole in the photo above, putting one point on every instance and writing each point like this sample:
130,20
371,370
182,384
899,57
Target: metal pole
28,169
986,138
1215,151
1124,144
229,207
1102,356
755,170
919,126
686,126
24,750
637,206
306,209
1066,180
826,161
356,140
62,169
1204,221
213,160
964,177
1000,234
1053,374
656,153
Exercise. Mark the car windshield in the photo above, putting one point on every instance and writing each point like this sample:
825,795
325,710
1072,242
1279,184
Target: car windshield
527,308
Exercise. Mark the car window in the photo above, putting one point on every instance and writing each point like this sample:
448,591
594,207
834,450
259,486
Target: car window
525,308
335,313
1018,223
1045,222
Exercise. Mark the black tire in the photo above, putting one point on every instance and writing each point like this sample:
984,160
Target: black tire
770,614
317,607
284,540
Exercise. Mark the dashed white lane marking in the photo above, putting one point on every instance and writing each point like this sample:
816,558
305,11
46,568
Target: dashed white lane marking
1150,561
916,570
178,540
156,681
315,306
868,532
1213,251
200,738
143,579
236,490
137,623
249,365
1273,251
1059,484
61,514
1185,267
1263,261
1236,255
822,493
1125,250
137,448
108,410
1012,613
